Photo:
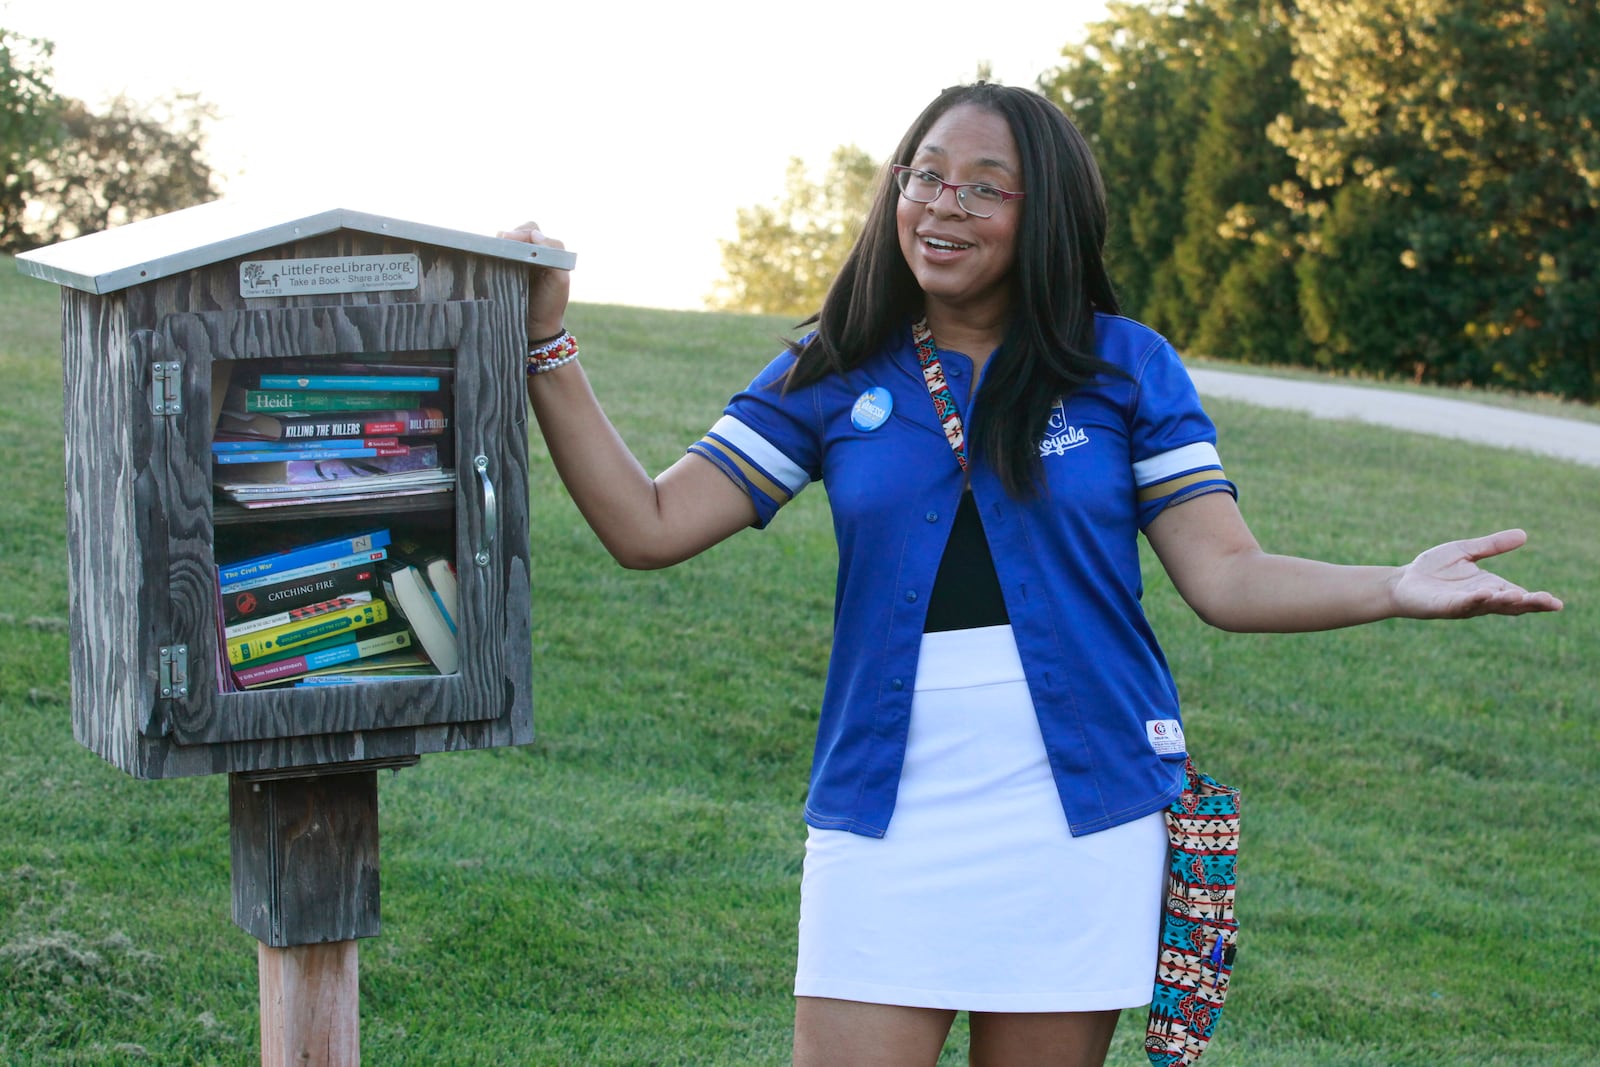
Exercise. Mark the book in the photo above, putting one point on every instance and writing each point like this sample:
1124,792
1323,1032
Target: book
408,422
343,383
406,663
220,660
292,636
417,422
290,593
289,496
442,577
354,558
430,363
290,557
283,455
371,487
331,469
405,587
235,443
343,650
314,401
320,607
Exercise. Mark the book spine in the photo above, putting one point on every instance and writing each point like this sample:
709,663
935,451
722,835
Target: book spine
444,612
280,455
283,618
273,643
340,563
295,428
373,383
423,421
282,563
295,402
283,669
363,423
277,447
248,603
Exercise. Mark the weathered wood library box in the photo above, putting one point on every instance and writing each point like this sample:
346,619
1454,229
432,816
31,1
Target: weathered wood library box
169,327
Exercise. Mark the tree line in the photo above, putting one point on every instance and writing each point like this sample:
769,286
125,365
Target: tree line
72,170
1407,188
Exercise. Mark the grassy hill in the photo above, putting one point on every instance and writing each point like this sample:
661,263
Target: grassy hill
1420,842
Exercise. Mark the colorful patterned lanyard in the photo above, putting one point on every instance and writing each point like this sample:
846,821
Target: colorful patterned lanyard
944,405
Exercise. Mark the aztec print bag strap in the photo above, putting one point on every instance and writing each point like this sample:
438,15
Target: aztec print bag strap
944,405
1199,932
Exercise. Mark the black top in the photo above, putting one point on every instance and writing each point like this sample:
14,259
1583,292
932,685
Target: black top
966,593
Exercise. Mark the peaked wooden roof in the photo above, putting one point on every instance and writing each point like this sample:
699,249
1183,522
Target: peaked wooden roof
168,244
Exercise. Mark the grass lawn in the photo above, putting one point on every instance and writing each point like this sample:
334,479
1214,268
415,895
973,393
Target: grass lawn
1421,851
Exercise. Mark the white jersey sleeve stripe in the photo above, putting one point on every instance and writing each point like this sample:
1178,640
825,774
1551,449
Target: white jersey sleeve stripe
1201,454
762,453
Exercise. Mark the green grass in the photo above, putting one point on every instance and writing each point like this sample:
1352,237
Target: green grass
1421,843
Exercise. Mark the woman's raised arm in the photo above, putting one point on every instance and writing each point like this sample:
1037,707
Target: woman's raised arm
644,522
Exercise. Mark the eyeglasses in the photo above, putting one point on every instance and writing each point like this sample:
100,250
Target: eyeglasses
975,198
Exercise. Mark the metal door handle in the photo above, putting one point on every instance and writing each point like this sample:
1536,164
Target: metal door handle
491,518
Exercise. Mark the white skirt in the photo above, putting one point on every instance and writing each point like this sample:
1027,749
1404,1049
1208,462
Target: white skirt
978,898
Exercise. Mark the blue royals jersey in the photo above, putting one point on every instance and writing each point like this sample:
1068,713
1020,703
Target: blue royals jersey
1115,454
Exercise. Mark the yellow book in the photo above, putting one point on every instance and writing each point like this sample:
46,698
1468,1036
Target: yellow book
287,639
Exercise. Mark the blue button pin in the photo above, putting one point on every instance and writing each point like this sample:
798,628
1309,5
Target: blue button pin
872,409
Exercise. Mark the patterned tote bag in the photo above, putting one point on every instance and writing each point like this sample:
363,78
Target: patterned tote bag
1198,929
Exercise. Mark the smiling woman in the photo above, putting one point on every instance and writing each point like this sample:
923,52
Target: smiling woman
961,247
1000,733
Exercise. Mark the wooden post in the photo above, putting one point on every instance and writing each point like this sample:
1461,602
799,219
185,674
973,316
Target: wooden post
310,1005
305,884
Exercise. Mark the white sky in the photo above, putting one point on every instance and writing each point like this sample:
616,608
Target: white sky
632,131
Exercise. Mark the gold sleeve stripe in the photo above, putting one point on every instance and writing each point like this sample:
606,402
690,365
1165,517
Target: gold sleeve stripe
750,471
1180,483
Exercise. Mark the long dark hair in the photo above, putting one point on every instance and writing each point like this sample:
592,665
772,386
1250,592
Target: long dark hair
1059,282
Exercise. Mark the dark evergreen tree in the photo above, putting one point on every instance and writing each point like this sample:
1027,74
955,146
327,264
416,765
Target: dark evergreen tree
1456,141
1132,87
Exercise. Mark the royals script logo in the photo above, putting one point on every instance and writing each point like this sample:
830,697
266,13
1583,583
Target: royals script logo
1058,435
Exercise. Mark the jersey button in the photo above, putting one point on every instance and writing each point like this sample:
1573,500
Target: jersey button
932,516
911,596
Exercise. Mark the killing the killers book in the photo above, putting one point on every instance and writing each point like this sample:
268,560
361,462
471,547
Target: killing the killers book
405,422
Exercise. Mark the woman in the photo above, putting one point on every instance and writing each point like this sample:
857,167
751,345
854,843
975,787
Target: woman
999,732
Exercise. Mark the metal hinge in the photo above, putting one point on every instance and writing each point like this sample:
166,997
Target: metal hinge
174,671
166,387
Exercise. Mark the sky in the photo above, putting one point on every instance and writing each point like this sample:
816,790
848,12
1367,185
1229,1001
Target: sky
631,131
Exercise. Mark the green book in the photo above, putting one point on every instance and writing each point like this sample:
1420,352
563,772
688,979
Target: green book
293,401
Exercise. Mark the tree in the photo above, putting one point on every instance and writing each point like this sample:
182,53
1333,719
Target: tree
1456,141
1132,88
120,166
28,126
1234,263
1175,100
786,253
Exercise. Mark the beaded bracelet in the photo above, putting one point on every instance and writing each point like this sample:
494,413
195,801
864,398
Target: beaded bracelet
548,355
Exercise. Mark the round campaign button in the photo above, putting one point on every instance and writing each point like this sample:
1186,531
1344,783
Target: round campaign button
872,408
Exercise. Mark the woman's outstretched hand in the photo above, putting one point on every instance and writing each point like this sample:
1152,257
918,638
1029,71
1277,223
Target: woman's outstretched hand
548,288
1445,582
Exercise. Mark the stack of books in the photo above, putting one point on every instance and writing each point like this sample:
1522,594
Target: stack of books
336,610
297,431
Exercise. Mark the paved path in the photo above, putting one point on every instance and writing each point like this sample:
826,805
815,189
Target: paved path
1567,439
